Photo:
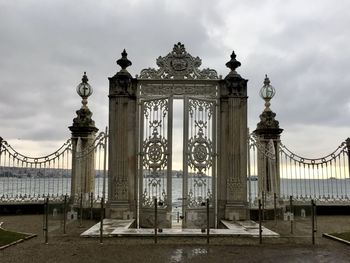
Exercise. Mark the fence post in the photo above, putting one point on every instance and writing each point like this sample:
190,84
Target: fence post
275,207
64,214
155,220
348,146
291,213
101,218
263,205
91,204
81,209
208,223
313,206
46,223
260,218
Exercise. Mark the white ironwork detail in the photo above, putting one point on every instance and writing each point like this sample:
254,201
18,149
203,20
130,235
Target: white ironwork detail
178,64
154,151
177,89
200,152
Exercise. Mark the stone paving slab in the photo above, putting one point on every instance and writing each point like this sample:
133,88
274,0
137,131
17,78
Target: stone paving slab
250,228
114,227
109,226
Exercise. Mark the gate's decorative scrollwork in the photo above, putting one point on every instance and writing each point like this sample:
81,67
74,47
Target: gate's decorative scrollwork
155,151
200,151
178,64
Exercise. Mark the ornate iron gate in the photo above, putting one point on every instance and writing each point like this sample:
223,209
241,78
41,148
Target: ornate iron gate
199,161
178,77
155,161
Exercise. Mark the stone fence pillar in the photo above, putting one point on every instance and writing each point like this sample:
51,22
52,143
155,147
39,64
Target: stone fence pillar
232,169
122,151
83,135
268,137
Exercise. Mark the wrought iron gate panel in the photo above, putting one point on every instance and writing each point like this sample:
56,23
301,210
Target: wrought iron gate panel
199,158
155,160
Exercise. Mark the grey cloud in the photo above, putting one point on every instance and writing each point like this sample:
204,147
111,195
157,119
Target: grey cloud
46,46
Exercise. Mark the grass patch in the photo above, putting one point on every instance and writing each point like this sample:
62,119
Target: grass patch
344,235
7,237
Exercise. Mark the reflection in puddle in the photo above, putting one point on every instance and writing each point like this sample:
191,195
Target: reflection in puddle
182,254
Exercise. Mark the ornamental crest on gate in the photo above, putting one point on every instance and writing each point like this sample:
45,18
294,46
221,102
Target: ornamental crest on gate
178,64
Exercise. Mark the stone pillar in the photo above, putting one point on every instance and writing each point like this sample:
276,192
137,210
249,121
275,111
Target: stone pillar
122,151
233,130
83,135
268,139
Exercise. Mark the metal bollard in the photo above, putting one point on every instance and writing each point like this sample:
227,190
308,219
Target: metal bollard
91,204
291,213
46,229
208,222
155,220
275,207
313,212
263,205
81,209
260,218
101,218
64,214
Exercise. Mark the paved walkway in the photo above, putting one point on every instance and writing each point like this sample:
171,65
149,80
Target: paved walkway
114,227
71,247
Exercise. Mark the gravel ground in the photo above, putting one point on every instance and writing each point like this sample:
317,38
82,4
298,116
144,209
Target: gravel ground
71,247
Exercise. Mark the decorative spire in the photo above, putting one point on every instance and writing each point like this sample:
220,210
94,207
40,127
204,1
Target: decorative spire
233,63
85,78
124,62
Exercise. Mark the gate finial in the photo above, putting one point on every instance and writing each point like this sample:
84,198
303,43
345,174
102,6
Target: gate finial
233,63
124,62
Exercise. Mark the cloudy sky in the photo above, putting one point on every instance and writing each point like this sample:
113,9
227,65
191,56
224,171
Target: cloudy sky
47,45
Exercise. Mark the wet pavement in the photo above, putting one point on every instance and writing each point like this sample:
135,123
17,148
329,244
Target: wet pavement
71,247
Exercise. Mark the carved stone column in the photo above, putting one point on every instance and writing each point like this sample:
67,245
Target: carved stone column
122,155
83,135
268,137
232,170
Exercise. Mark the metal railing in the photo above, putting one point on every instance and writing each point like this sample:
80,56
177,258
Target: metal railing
32,179
325,179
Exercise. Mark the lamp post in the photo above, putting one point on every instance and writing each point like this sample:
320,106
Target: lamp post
83,136
268,136
267,92
84,89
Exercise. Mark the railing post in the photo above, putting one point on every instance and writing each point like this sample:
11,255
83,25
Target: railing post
208,223
91,204
64,214
101,218
1,139
291,213
81,209
46,224
263,205
275,207
155,220
260,218
348,146
313,212
105,164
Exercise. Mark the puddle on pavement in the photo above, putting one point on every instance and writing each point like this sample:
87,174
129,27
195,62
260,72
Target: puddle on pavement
182,254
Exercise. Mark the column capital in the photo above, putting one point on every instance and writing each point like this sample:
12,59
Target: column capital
233,85
122,83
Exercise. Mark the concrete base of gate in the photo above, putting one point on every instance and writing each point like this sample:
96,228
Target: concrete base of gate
117,228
